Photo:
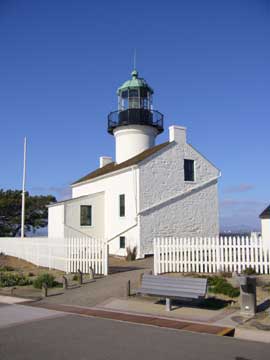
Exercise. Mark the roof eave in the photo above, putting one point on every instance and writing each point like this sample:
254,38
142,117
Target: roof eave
100,177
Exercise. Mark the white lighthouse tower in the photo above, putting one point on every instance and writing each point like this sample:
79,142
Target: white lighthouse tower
135,124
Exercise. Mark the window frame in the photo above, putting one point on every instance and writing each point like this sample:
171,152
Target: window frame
194,171
122,207
91,215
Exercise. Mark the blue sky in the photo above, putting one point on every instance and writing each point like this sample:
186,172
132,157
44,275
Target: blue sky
208,62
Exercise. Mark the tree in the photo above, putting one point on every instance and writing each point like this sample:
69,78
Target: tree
36,212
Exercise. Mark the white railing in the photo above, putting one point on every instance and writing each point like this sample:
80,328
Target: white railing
66,254
210,255
83,253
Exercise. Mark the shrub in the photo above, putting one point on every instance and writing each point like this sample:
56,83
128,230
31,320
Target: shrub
6,268
219,285
249,271
44,279
13,279
75,277
131,253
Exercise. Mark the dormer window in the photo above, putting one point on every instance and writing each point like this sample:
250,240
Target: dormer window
189,170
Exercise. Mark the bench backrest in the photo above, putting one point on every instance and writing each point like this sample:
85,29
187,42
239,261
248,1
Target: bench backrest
196,286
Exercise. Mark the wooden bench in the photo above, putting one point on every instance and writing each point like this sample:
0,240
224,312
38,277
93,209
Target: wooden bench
173,288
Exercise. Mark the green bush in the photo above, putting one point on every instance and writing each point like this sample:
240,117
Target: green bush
131,254
12,279
219,285
45,279
6,268
249,271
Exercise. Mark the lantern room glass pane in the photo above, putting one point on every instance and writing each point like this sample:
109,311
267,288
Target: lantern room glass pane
144,92
133,97
133,93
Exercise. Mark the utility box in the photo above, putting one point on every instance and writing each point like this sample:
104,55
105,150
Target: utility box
248,299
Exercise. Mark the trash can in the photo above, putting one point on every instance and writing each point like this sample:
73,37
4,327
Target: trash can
248,294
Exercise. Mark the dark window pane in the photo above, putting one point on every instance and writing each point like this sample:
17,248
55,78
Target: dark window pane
86,215
124,94
189,170
122,205
133,93
122,242
143,92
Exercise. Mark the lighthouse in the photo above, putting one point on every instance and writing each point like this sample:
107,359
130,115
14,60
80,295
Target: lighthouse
150,190
135,125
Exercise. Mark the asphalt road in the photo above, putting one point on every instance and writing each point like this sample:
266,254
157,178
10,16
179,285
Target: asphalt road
73,337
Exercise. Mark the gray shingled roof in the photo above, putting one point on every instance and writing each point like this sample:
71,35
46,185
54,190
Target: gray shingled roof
114,166
266,213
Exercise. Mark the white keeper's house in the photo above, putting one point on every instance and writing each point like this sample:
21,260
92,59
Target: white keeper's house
149,190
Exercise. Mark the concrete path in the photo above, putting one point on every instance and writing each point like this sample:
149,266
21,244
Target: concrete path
13,314
97,292
76,337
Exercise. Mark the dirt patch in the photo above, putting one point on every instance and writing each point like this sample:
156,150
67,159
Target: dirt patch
26,267
120,264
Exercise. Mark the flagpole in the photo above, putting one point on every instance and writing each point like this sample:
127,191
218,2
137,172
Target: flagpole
23,189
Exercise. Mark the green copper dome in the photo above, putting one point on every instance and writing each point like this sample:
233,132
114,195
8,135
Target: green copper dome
134,82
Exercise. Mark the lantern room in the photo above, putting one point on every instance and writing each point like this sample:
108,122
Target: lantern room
135,106
134,94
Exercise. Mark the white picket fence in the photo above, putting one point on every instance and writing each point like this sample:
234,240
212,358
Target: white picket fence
66,254
210,255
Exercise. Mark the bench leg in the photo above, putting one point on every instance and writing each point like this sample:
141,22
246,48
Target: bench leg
168,304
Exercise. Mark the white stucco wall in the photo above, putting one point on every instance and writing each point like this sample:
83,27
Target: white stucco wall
56,221
162,178
266,231
123,182
72,216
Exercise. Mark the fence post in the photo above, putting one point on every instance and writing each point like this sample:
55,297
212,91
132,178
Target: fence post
217,250
127,294
106,258
44,290
155,256
65,282
80,277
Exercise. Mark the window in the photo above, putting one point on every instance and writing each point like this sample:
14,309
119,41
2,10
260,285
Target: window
86,215
122,209
122,242
133,97
189,170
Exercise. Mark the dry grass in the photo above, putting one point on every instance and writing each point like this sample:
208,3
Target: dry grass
26,267
122,262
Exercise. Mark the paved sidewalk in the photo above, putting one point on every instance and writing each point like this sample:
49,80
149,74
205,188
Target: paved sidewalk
14,314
